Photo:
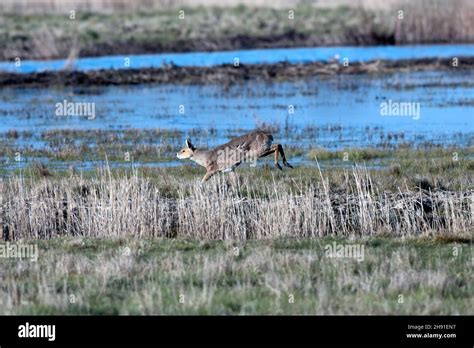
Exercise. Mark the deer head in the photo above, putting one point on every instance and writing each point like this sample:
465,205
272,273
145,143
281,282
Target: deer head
187,151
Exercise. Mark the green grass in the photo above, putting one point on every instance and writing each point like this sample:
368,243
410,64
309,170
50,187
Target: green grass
51,35
391,169
147,276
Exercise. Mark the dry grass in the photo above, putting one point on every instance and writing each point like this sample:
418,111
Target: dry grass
149,276
113,6
446,21
226,208
108,6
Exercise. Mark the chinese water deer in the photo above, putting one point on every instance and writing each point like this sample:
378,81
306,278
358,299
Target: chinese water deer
226,157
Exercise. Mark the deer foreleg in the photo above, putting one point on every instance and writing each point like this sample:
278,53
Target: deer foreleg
208,175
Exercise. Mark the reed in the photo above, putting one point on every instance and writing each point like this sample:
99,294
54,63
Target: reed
435,21
226,208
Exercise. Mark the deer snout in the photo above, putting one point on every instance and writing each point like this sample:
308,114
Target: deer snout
184,153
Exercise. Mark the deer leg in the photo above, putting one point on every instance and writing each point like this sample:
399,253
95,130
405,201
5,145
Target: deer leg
208,175
234,166
231,168
273,149
276,159
285,162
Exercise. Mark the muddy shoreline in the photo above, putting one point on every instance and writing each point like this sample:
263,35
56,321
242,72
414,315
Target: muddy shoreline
224,74
287,39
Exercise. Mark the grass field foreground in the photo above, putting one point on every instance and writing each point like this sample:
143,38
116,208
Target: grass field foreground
280,276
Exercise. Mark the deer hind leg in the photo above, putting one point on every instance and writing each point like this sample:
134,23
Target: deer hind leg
276,158
273,149
285,162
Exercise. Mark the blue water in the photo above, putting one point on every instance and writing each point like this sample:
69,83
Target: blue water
352,102
292,55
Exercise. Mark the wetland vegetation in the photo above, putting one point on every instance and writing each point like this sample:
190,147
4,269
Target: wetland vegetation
122,227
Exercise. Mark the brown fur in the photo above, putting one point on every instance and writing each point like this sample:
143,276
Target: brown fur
228,156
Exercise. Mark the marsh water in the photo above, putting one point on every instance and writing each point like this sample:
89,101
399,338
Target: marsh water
331,112
256,56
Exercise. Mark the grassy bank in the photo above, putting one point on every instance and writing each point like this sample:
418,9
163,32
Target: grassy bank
280,276
55,35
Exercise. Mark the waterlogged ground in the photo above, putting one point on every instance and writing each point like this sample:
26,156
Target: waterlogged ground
279,276
317,118
330,112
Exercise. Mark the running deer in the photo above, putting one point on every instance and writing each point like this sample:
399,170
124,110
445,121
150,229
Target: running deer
226,157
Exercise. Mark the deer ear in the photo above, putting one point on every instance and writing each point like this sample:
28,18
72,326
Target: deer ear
189,145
